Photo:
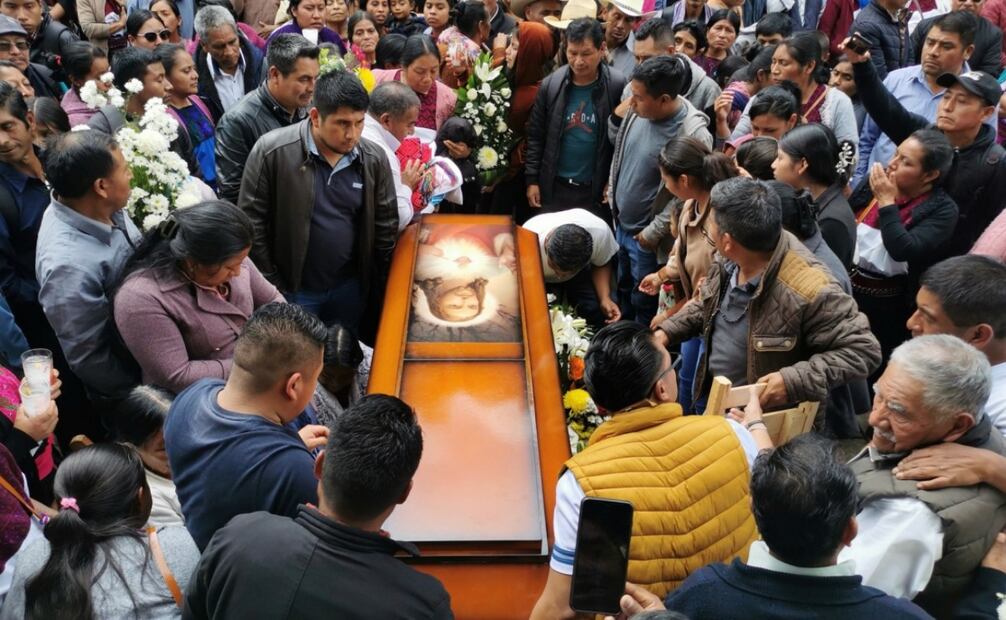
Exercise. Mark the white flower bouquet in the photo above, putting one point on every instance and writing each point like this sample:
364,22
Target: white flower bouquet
161,181
484,101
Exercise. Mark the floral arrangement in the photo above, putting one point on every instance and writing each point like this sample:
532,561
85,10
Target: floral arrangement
484,102
571,337
161,181
352,61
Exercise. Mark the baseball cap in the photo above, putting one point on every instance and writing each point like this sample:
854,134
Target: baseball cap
9,25
978,83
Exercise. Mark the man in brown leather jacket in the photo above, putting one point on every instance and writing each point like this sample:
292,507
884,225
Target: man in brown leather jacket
324,207
770,313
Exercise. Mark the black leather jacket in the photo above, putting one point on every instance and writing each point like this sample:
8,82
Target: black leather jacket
237,132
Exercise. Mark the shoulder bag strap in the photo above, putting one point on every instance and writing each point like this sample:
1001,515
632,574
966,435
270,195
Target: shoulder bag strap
162,565
20,498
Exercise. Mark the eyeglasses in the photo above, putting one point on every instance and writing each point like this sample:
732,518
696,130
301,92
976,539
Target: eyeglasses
6,46
670,368
164,35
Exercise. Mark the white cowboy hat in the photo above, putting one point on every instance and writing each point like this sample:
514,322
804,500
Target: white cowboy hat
574,9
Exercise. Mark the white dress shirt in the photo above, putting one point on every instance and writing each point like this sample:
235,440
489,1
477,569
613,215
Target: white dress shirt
604,245
374,132
759,556
899,541
230,88
995,407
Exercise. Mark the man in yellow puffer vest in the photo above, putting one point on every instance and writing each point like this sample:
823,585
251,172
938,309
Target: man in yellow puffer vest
687,477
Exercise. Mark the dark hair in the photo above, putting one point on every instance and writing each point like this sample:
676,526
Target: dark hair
621,365
971,289
286,49
456,129
342,348
141,415
817,144
724,15
76,159
417,46
799,215
355,19
774,23
802,498
468,15
48,113
663,75
226,4
208,234
759,61
781,101
166,53
698,32
961,23
749,211
585,29
103,480
339,89
729,67
569,247
804,48
756,156
657,29
938,153
823,42
277,340
372,454
13,103
389,50
171,5
688,155
78,58
130,63
136,20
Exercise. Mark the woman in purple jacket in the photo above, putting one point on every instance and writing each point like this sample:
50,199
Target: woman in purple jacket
309,15
187,292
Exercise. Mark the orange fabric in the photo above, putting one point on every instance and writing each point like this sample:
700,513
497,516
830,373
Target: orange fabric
536,48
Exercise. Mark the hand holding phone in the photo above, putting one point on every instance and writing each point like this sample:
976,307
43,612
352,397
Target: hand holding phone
601,560
857,46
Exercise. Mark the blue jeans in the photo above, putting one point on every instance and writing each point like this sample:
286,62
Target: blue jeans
342,304
686,374
634,264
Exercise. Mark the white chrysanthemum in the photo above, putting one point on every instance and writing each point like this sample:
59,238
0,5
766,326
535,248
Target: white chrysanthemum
505,92
501,126
107,77
151,143
490,109
134,86
472,94
488,158
115,98
91,96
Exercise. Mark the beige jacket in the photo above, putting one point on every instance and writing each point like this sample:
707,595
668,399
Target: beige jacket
693,250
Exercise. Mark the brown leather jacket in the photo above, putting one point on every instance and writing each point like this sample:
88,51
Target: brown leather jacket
277,193
800,324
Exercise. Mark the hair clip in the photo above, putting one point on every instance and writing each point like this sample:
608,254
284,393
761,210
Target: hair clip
168,228
69,503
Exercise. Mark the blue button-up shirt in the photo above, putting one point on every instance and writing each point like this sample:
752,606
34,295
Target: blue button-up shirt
28,197
79,260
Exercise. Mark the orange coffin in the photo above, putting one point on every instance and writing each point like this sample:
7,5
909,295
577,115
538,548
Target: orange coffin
465,338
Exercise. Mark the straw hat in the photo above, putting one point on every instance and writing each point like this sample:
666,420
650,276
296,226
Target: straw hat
517,7
574,9
632,8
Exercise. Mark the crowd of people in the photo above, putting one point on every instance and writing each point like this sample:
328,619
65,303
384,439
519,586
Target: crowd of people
804,196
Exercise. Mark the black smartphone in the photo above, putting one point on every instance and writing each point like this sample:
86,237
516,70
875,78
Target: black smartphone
858,43
602,555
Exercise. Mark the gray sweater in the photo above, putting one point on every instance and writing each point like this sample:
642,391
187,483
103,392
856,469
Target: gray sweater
110,596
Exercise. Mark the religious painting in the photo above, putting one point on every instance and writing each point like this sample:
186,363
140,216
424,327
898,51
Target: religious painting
465,285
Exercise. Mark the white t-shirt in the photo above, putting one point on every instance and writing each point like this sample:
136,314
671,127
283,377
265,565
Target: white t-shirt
604,248
568,496
995,408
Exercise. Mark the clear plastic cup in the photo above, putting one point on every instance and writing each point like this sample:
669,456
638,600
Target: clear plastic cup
311,34
35,402
37,366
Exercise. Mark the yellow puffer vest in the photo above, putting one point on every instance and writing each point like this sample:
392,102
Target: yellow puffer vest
688,480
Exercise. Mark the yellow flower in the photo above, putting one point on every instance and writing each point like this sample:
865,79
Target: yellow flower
576,400
367,78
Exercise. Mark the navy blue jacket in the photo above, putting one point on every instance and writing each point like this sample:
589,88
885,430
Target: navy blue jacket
738,590
892,47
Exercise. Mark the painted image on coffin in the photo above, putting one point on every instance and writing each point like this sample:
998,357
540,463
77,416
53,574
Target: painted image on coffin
464,285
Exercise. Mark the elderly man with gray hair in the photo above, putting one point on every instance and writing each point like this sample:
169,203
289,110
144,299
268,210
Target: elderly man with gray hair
391,117
919,543
229,66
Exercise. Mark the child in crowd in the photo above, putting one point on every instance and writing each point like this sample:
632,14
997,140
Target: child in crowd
460,132
404,20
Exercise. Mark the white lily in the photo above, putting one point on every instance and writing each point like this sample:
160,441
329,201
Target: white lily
486,74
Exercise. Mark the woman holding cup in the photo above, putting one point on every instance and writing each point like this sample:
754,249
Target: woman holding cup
28,420
308,19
